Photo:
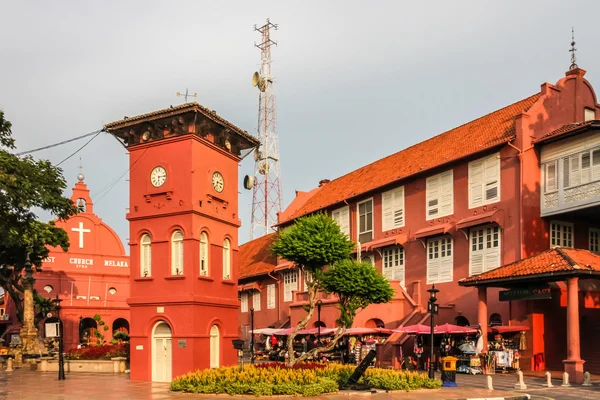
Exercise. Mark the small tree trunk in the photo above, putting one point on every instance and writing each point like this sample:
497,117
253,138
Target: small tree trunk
312,294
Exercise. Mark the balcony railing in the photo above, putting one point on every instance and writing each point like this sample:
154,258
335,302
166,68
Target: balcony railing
572,198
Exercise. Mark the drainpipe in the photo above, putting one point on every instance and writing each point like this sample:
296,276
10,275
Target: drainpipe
520,154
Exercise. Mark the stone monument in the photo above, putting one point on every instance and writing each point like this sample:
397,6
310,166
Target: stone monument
30,343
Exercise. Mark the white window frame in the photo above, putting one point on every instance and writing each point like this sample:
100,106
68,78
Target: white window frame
226,259
484,175
146,256
485,249
244,301
358,231
271,294
594,240
392,264
566,234
342,217
546,176
439,195
204,253
440,256
290,284
177,255
256,300
392,209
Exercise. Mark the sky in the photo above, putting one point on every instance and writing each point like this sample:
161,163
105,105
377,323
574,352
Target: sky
355,81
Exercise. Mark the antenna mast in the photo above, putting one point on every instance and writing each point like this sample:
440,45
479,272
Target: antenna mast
266,199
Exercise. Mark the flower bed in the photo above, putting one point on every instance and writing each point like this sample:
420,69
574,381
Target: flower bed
309,379
99,352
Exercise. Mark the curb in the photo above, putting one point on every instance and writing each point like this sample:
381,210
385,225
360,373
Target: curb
522,397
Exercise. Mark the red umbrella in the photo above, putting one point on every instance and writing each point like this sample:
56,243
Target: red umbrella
360,331
450,329
417,329
384,331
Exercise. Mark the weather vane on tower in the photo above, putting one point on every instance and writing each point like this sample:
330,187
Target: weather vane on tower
186,94
573,50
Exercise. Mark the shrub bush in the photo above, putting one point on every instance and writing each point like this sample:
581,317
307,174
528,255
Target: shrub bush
306,379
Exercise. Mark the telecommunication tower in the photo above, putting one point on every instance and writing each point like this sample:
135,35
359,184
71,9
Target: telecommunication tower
266,185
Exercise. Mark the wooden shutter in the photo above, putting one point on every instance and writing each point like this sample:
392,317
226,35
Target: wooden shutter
244,299
432,197
345,220
575,178
550,177
585,167
433,263
446,266
447,193
270,296
180,251
387,210
596,165
398,207
492,178
475,183
256,300
492,258
398,271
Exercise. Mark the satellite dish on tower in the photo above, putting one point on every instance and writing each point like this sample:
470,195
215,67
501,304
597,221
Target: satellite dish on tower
255,79
248,182
259,81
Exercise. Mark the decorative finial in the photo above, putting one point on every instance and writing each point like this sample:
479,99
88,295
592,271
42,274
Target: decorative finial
573,50
80,176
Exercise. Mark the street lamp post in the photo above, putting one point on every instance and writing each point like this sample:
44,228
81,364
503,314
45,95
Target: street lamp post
433,310
319,303
61,361
252,336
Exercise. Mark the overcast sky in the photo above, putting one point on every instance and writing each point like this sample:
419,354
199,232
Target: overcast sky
355,80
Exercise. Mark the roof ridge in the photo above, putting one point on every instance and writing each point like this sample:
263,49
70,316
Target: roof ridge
567,258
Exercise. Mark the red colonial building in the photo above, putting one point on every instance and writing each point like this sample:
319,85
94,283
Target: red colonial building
91,278
491,192
184,221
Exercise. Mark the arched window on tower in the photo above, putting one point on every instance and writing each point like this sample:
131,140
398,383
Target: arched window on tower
204,254
146,256
177,253
226,259
495,319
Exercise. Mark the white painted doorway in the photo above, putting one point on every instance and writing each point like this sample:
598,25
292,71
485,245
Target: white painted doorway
215,351
162,351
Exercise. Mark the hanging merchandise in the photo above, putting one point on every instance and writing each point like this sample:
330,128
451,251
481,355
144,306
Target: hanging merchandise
418,346
522,342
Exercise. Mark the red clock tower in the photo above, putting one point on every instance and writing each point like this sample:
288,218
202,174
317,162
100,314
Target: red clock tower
183,222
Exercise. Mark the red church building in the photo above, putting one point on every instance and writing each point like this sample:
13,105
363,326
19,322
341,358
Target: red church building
449,210
91,278
183,219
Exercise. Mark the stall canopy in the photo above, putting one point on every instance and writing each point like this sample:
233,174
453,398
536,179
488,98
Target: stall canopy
264,331
449,329
507,328
325,331
417,329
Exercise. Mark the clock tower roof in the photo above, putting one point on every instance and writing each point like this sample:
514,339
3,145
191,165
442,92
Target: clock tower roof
188,118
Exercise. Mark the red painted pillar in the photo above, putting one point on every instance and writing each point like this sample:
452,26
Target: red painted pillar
482,316
573,363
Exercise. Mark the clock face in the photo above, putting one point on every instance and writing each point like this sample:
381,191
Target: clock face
217,181
158,176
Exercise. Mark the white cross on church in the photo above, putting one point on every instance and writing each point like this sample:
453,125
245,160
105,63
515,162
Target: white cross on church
81,232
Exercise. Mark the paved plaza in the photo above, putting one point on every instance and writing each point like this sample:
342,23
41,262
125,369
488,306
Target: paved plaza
27,385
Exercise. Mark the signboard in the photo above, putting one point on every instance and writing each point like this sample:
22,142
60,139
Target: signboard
52,329
526,293
181,344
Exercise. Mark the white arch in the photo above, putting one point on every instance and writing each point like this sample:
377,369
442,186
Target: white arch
215,347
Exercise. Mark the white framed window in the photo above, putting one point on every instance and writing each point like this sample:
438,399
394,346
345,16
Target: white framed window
226,259
589,114
365,221
561,234
146,256
204,254
393,263
581,168
290,283
342,217
484,181
594,240
484,254
244,301
306,278
256,300
271,296
392,209
177,253
550,172
440,195
439,259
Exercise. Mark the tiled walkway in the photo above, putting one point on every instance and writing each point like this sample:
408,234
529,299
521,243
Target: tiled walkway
28,385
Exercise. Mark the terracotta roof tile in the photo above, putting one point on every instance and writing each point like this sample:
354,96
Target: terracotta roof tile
568,128
478,135
255,257
555,260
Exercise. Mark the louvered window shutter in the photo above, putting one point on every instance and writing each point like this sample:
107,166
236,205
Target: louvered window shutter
433,188
585,167
270,296
387,210
180,260
476,263
446,265
492,258
399,207
475,183
492,177
447,193
244,300
256,300
550,177
575,173
345,220
596,165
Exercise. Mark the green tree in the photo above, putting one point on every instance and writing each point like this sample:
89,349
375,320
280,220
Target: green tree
42,306
25,185
318,247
